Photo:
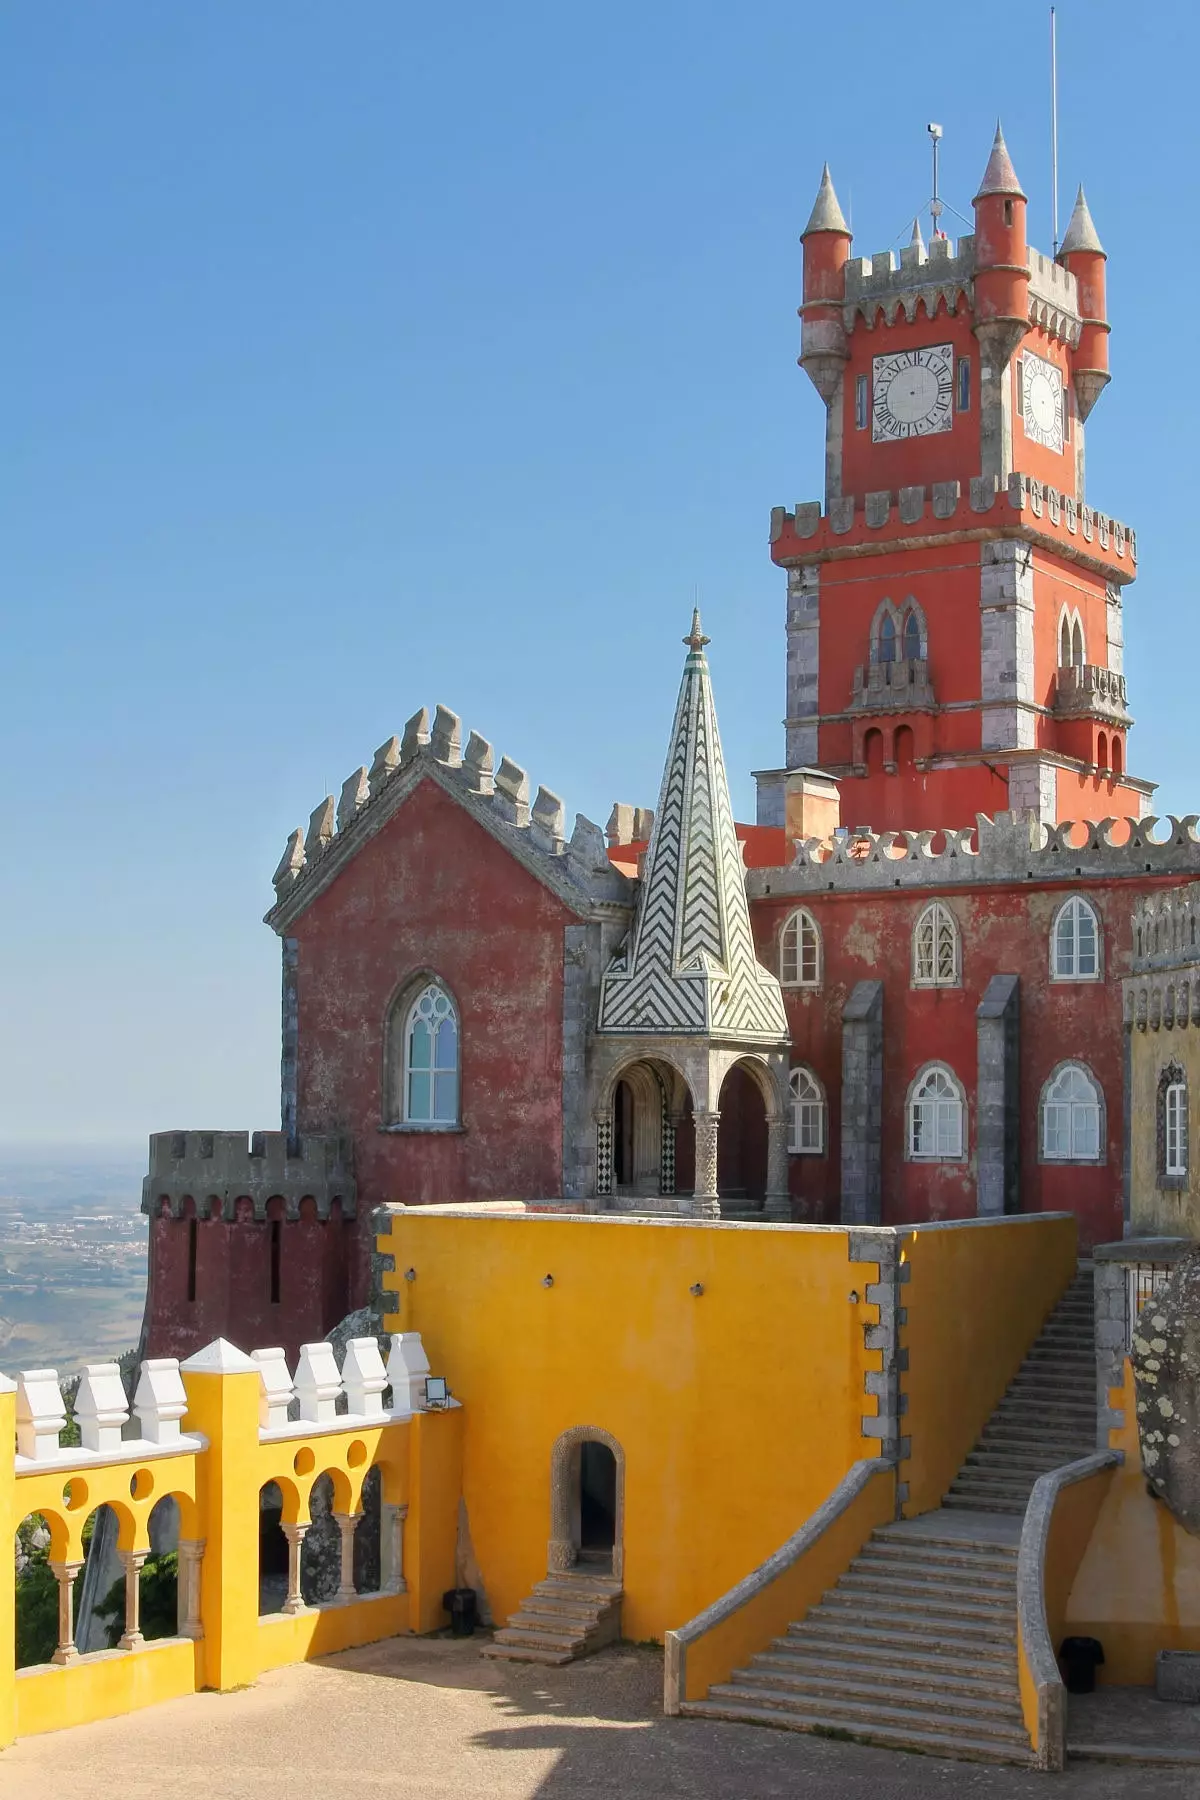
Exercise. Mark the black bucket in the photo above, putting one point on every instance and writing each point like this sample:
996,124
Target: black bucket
462,1604
1079,1658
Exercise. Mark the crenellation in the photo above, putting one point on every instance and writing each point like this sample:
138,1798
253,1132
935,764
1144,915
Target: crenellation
445,739
384,765
356,791
479,765
511,796
416,735
320,830
548,822
216,1169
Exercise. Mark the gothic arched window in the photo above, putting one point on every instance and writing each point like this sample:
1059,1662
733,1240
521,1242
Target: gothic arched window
431,1059
1072,1116
887,638
936,948
1173,1127
936,1116
912,636
800,951
807,1134
1075,942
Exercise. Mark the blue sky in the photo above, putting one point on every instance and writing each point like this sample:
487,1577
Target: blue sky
364,356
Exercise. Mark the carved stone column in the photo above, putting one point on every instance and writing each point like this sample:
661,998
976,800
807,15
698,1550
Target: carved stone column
346,1523
191,1556
778,1204
604,1155
705,1204
133,1562
295,1535
391,1549
65,1573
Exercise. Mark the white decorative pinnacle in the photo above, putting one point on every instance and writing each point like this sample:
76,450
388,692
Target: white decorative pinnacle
41,1414
159,1400
691,968
101,1409
275,1390
318,1384
407,1367
364,1378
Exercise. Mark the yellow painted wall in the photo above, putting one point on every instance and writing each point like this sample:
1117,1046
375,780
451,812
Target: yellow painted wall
105,1685
738,1411
976,1298
1155,1211
1138,1586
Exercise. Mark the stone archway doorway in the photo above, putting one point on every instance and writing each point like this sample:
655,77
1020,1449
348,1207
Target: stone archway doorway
647,1109
742,1148
587,1502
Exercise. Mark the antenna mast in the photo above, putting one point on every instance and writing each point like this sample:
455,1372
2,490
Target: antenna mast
935,205
1053,121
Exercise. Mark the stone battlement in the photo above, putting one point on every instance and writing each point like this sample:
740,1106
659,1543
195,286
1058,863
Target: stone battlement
1083,532
216,1169
1166,929
898,285
1012,847
499,794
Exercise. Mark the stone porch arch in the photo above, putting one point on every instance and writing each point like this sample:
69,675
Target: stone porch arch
563,1548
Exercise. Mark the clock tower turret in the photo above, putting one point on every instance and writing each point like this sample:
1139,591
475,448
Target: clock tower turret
954,606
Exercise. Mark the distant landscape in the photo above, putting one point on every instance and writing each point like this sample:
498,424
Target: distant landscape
72,1255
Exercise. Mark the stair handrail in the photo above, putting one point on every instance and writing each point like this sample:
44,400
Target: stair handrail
676,1643
1042,1692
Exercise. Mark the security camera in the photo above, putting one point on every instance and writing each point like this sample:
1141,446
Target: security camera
935,131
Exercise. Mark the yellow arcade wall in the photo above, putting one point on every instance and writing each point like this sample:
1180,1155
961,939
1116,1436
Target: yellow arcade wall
976,1295
738,1410
1138,1586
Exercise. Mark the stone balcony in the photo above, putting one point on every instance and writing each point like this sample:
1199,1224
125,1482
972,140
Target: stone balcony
899,686
1089,691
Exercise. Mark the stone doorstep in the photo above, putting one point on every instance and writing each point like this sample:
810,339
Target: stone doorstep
964,1748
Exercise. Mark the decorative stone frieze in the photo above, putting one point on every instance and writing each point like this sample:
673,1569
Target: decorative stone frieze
1090,691
899,686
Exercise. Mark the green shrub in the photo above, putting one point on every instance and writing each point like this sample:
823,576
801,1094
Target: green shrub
158,1609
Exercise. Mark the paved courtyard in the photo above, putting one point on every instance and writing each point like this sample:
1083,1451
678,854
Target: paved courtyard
430,1717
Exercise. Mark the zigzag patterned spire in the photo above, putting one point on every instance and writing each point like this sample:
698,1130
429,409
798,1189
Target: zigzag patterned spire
690,968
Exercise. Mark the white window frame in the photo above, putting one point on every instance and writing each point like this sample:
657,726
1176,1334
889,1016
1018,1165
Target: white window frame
943,922
807,1113
1077,1111
798,924
949,1115
429,1122
1072,909
1175,1154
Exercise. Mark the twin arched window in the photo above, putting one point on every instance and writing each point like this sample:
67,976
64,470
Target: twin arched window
423,1058
1072,1116
800,951
807,1135
936,948
1070,641
899,633
936,1116
1075,942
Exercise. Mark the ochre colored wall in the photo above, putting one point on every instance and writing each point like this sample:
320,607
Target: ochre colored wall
1138,1586
433,890
1004,930
976,1298
738,1411
1157,1211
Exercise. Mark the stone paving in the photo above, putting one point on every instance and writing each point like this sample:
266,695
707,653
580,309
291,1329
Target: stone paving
414,1718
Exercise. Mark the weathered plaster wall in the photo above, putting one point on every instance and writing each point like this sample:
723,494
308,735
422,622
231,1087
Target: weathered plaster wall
1159,1208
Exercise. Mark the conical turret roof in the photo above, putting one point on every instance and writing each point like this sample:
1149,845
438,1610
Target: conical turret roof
1081,232
999,177
826,214
916,241
689,967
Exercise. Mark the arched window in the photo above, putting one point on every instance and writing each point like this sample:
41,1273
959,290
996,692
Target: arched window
1072,1115
800,951
1077,643
1117,754
887,638
936,1117
430,1091
1173,1126
912,636
1075,942
936,948
1064,643
1071,651
807,1136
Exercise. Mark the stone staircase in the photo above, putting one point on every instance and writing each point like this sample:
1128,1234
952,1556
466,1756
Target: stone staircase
565,1617
915,1648
1046,1418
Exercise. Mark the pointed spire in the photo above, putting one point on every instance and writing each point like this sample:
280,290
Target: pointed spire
1081,232
690,969
999,177
916,241
826,214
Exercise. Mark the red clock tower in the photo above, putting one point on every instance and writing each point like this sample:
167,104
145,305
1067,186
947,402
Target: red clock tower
954,607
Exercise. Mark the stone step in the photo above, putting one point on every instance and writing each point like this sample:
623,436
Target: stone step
960,1745
597,1588
934,1724
1000,1573
931,1535
945,1663
544,1638
933,1694
944,1590
556,1625
553,1605
842,1632
987,1627
984,1503
995,1460
530,1653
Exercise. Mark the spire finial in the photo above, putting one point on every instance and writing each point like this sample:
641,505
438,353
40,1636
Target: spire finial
696,639
916,241
999,177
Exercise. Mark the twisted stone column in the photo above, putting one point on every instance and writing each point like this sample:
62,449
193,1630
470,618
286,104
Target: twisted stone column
705,1204
65,1573
778,1203
295,1535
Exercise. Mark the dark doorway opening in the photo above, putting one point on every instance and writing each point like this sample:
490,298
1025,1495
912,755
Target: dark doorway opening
597,1503
623,1134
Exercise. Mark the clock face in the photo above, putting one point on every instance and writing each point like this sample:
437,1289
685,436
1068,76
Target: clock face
912,393
1042,402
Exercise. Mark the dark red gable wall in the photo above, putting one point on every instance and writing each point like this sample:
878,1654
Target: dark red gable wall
433,890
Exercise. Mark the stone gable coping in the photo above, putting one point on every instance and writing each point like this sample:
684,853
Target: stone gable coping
1010,848
576,870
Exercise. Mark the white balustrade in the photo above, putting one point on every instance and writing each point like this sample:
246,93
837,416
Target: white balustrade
318,1384
159,1400
364,1378
275,1389
407,1368
101,1409
41,1414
